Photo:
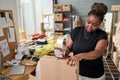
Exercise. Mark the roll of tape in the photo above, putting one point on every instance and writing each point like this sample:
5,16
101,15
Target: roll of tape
60,42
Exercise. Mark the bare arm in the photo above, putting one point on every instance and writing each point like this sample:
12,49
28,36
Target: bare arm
69,44
99,49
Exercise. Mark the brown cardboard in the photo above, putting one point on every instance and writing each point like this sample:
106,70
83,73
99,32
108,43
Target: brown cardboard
66,7
58,17
57,69
115,8
57,7
58,26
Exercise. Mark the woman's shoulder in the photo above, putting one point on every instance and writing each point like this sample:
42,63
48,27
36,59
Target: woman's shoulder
101,34
78,28
101,31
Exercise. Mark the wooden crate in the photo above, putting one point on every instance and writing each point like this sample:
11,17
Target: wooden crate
62,7
57,8
59,17
66,7
58,26
115,8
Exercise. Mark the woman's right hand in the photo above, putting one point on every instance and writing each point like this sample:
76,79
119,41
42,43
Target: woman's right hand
74,60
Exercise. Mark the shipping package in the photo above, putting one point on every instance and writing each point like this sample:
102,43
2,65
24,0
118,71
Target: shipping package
52,68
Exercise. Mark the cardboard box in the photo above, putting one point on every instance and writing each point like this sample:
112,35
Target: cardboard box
115,8
57,8
57,69
58,26
62,7
58,17
31,77
66,7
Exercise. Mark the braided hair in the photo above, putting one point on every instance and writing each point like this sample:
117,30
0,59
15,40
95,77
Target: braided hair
99,10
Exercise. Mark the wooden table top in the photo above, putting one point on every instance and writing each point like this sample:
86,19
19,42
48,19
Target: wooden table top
25,76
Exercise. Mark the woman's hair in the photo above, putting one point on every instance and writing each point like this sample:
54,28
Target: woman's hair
99,10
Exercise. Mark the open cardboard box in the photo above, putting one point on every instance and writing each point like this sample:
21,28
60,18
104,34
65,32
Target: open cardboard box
52,68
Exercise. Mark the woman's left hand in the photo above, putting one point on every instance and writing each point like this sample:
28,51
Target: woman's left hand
72,61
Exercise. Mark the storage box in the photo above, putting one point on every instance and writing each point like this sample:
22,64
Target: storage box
59,17
115,8
62,7
66,7
58,26
57,69
57,8
31,77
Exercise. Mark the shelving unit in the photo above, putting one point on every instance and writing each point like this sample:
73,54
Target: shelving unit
63,21
116,11
111,71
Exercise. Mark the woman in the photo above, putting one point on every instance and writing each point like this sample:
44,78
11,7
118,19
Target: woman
88,44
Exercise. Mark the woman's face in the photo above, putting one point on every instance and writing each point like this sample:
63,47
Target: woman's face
92,23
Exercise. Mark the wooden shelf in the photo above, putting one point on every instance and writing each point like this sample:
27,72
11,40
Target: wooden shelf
116,9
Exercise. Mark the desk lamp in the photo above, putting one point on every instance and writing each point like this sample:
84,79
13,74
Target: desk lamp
1,76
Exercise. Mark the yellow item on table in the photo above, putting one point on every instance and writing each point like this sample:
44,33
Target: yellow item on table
46,48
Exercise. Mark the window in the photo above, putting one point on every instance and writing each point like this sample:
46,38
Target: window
31,12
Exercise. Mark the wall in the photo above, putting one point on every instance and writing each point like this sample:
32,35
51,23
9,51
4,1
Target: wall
32,14
11,5
28,15
41,7
82,7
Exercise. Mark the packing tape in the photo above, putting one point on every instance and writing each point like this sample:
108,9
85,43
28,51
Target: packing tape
60,42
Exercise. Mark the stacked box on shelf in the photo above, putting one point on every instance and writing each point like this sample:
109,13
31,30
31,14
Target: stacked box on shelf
58,17
62,18
62,8
57,8
66,8
58,26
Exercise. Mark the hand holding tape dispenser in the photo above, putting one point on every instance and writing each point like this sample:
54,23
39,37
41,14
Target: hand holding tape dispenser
60,51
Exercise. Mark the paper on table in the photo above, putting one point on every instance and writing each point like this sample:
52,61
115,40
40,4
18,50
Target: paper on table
18,56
